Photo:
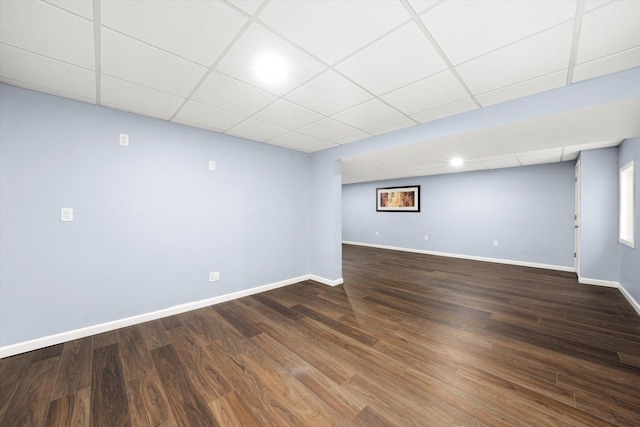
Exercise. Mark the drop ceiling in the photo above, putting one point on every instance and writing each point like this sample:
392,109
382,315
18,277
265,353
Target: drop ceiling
355,68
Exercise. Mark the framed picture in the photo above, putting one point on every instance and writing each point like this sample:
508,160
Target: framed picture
398,199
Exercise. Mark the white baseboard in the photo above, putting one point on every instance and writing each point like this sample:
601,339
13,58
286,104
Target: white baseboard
23,347
324,281
631,299
598,282
469,257
610,284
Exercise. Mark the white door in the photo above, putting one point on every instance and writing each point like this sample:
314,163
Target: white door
576,255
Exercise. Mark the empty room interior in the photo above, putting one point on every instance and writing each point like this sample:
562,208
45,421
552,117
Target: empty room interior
309,213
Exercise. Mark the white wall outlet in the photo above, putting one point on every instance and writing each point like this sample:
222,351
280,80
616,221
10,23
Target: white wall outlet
426,237
377,234
495,243
214,276
66,214
124,139
212,165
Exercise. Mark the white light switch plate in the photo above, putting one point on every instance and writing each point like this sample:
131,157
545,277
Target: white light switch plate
66,214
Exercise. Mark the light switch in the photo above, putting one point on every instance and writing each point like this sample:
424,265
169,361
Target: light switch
66,214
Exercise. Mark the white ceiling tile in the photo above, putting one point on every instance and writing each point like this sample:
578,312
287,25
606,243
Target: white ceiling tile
201,115
36,72
400,58
229,94
368,114
333,29
44,29
529,87
248,6
607,65
350,137
196,30
441,89
287,115
257,41
294,140
130,60
536,56
420,6
127,96
498,162
83,8
328,94
256,130
609,29
592,4
552,155
400,123
452,109
322,145
327,129
466,29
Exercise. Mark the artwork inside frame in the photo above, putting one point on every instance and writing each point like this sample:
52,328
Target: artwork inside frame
398,199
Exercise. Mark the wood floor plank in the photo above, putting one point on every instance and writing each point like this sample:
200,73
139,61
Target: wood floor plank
47,352
29,404
262,401
135,355
347,405
148,403
74,373
368,417
109,403
154,334
306,405
188,407
236,320
11,371
70,410
171,322
104,339
231,411
200,371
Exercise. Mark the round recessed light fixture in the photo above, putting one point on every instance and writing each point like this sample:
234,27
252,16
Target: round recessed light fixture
271,68
456,162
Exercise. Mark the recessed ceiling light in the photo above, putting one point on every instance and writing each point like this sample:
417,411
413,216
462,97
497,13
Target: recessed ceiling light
271,68
456,162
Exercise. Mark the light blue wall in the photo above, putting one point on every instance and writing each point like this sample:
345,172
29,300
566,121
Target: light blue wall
528,210
630,257
151,221
599,214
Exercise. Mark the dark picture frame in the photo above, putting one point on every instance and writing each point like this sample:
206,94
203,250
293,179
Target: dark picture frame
398,199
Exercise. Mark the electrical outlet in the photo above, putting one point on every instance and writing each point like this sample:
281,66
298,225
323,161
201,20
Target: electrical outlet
495,243
66,214
214,276
212,165
124,139
377,234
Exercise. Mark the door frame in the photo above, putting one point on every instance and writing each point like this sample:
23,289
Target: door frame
576,221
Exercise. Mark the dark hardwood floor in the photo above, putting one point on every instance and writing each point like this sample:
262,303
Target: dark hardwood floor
408,340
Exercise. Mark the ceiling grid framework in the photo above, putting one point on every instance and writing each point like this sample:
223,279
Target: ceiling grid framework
356,68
